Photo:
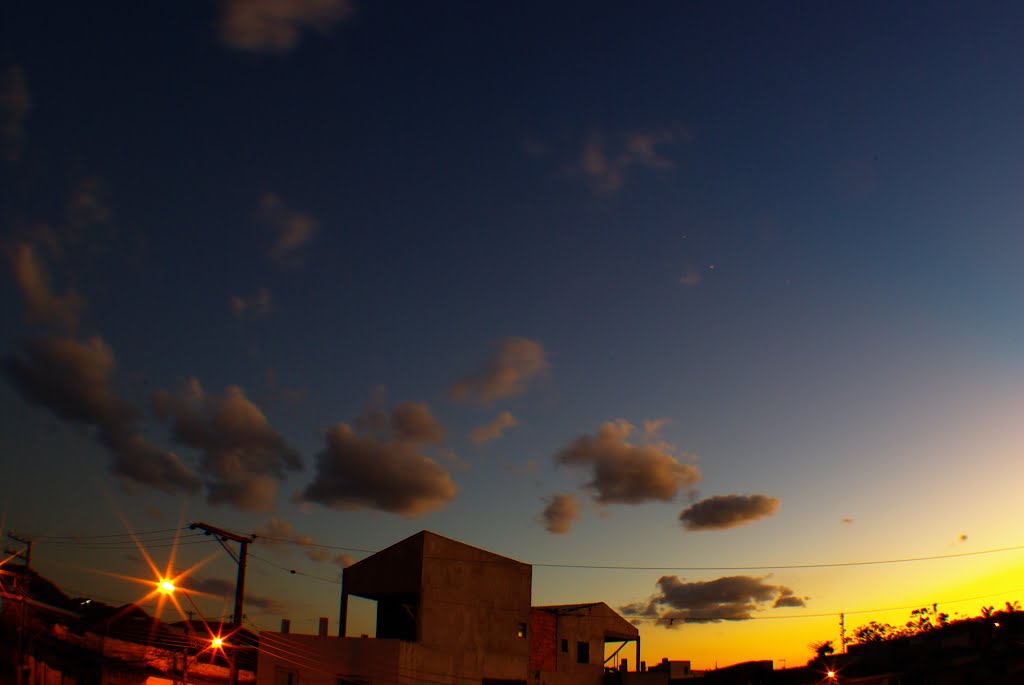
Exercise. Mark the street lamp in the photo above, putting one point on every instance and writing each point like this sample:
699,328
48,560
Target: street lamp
216,642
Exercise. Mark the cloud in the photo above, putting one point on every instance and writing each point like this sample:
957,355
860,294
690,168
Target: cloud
730,598
494,429
786,598
409,422
653,426
727,511
379,464
86,209
516,361
606,165
277,25
561,511
691,279
291,230
15,104
847,520
279,535
255,306
243,456
41,304
226,589
624,473
73,380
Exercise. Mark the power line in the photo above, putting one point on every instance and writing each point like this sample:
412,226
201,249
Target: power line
294,571
767,567
103,543
755,567
82,539
303,543
111,535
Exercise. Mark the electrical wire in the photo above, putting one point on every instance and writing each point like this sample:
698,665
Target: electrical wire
293,571
752,567
77,539
766,567
111,535
101,544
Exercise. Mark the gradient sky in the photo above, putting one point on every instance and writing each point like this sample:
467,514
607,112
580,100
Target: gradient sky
271,263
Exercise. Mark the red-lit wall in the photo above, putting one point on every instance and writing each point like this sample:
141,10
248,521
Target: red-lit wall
543,636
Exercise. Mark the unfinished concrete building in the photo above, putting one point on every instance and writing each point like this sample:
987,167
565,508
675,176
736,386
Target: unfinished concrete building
448,614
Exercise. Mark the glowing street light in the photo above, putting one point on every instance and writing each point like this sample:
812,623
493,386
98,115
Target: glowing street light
166,587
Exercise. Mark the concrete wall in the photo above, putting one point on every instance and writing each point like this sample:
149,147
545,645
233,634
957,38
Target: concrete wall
476,606
316,660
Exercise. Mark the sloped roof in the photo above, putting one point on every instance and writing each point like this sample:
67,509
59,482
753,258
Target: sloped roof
614,626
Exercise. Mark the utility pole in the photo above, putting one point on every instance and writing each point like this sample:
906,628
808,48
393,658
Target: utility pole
842,632
25,554
243,554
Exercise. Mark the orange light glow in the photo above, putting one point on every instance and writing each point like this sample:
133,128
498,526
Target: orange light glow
166,587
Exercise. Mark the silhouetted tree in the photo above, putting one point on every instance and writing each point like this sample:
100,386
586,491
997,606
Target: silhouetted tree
876,632
925,619
822,649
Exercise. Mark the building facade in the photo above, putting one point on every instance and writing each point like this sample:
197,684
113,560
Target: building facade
448,614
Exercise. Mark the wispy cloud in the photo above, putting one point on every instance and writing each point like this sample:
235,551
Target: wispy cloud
509,371
691,279
255,306
73,379
606,163
560,512
277,25
42,305
291,230
379,463
626,473
493,430
279,535
728,511
225,589
15,104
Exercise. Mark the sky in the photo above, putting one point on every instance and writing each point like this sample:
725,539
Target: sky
723,292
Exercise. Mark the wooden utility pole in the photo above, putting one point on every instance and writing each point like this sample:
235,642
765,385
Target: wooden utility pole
243,555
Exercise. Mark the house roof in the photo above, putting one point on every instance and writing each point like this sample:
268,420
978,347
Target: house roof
614,626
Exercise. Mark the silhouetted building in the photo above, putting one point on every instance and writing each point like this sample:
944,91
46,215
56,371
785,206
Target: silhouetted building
448,614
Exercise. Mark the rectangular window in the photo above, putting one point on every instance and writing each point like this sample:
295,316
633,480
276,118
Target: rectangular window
583,652
565,646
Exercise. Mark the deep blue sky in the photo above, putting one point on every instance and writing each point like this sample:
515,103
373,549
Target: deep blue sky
791,230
